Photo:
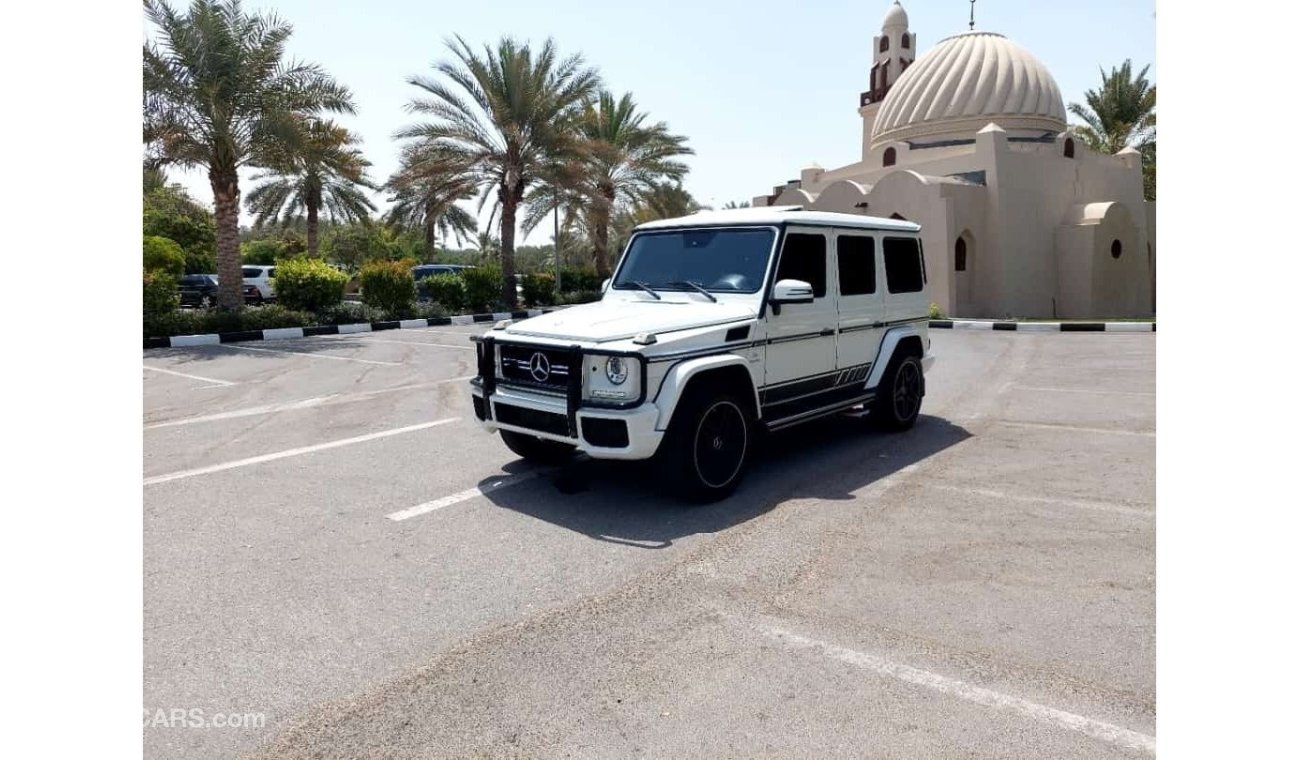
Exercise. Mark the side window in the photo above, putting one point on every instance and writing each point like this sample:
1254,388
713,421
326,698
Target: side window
270,272
804,258
856,257
252,272
903,265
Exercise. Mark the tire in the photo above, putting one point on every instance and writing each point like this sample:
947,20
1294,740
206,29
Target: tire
898,398
708,445
537,450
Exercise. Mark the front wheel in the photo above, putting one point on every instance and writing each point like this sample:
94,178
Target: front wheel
898,399
537,450
708,445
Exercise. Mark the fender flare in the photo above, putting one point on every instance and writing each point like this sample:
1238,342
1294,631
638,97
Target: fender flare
680,375
886,353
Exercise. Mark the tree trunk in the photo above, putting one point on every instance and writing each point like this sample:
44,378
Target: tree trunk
603,215
313,231
509,203
601,241
430,240
230,274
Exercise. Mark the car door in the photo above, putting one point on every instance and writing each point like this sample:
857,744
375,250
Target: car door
861,302
800,336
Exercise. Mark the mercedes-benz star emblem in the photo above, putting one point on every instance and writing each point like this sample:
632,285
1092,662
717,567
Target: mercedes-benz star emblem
539,367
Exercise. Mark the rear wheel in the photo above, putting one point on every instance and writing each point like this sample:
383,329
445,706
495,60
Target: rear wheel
708,445
537,450
898,399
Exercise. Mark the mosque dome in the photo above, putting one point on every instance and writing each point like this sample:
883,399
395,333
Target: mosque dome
965,82
896,16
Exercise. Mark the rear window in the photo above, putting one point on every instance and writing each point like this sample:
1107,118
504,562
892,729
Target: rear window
903,270
252,272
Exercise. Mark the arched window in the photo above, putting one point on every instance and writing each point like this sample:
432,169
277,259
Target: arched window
1116,249
884,43
890,157
960,254
906,44
1069,147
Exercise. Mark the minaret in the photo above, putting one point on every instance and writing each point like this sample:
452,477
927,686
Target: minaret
893,50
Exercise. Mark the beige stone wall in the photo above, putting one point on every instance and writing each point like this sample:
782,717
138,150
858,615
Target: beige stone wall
1025,260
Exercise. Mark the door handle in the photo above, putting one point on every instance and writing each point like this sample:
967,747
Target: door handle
827,331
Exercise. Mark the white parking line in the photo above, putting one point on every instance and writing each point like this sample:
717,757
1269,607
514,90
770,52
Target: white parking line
307,403
1100,506
1106,732
466,347
1082,390
1076,428
291,452
466,495
212,380
312,355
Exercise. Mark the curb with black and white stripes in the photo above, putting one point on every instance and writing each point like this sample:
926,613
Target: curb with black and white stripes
280,333
985,324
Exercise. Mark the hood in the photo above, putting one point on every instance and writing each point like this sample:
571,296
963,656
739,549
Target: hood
606,321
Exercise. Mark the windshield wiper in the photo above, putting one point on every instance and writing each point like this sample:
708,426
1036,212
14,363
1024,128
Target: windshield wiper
698,287
647,289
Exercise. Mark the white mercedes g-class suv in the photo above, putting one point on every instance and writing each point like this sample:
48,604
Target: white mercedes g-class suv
714,327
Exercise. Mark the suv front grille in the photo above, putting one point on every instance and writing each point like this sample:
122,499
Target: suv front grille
538,367
533,419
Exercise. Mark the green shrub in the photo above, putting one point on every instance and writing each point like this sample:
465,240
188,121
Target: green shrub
273,315
265,251
308,284
573,279
160,301
349,313
936,312
431,310
482,287
200,262
388,285
580,296
164,255
206,321
539,289
445,289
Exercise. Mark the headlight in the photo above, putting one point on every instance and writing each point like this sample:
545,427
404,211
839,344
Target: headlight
616,370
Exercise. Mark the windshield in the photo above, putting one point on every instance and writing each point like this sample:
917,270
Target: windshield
724,260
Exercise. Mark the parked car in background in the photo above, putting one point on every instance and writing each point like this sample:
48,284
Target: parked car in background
259,278
198,289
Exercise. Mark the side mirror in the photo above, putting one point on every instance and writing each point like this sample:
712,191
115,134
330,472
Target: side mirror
604,286
792,291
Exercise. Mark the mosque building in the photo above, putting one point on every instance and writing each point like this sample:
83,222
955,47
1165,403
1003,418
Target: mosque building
1019,218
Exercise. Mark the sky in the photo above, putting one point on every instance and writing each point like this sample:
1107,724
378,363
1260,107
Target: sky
760,88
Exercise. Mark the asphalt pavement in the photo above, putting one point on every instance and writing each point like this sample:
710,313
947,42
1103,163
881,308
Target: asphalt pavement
332,545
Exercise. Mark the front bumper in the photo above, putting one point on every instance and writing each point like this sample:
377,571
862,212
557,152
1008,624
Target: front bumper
600,433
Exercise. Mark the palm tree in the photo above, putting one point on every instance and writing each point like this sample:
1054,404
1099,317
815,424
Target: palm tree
1120,114
426,188
664,200
625,159
508,114
218,94
321,170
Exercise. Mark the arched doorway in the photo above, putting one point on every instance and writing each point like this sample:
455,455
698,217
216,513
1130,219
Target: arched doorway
963,265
